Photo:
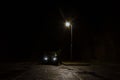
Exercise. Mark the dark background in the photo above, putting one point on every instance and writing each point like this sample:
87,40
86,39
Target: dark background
30,28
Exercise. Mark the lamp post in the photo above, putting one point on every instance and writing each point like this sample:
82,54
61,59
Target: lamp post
69,25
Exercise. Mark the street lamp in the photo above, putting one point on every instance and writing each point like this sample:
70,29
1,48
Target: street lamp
69,25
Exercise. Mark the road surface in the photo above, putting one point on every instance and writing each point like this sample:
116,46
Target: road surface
64,72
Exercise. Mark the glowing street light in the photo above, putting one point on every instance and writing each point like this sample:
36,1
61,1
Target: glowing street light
68,24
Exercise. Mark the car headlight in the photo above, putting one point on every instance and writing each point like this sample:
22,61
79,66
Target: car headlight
54,59
45,58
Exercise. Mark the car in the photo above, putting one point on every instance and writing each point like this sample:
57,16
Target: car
50,58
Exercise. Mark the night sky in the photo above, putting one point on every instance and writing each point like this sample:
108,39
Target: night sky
37,27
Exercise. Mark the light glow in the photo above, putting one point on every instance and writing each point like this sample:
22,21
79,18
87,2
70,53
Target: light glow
67,24
45,58
54,59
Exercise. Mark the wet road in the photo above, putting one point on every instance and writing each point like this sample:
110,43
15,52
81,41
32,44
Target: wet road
23,71
51,72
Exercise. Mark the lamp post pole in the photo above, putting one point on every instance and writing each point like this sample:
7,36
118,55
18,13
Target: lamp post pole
71,44
69,25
